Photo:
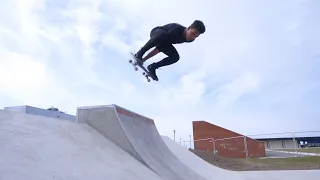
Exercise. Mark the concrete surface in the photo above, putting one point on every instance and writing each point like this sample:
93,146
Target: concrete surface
39,148
212,172
107,142
293,153
139,136
276,154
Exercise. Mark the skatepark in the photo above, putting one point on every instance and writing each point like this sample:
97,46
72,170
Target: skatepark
106,142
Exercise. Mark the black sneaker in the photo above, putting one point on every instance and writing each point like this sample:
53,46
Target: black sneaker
152,70
138,59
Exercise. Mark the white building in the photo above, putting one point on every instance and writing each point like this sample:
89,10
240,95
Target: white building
311,139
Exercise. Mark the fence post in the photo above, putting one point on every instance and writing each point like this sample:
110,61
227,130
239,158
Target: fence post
294,143
214,146
245,145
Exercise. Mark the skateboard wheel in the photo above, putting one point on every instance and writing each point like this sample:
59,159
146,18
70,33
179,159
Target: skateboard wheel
130,61
135,68
148,80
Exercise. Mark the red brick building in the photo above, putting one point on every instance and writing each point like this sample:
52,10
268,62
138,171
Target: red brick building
226,143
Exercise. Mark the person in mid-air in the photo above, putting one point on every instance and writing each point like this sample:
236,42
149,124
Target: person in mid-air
163,38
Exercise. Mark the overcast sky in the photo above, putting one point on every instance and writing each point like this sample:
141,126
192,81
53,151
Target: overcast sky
255,70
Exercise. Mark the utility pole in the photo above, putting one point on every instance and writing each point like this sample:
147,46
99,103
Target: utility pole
174,135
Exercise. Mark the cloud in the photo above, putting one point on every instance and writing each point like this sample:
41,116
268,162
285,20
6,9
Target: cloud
254,70
27,80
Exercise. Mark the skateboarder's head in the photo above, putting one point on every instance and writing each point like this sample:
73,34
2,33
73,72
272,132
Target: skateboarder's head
194,30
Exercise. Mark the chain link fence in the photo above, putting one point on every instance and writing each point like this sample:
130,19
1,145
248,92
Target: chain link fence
296,143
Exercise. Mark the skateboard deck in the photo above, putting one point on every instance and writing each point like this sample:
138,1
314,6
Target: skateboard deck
134,63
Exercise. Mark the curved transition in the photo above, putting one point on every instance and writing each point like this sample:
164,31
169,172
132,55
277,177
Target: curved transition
138,136
209,171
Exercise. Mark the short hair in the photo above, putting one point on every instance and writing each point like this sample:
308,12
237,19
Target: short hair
197,24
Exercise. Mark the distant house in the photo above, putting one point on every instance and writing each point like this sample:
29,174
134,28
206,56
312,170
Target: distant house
50,112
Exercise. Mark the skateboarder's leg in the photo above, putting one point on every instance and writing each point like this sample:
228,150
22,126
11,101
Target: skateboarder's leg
171,52
157,36
154,52
173,57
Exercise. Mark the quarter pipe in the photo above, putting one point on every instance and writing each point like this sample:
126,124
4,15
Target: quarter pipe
138,136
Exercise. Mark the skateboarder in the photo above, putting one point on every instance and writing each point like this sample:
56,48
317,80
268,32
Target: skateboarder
163,38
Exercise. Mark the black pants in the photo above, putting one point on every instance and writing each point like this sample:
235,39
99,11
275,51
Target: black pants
161,40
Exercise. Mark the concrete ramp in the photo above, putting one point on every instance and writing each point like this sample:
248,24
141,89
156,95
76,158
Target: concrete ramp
213,173
138,136
39,148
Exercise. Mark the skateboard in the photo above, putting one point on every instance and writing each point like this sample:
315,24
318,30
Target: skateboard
134,63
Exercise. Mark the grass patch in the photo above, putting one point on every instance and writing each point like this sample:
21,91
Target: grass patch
257,164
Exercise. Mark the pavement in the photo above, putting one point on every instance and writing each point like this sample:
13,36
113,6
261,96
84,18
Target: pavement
38,148
292,153
213,173
279,154
106,142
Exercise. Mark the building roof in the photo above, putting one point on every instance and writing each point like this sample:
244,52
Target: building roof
288,135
